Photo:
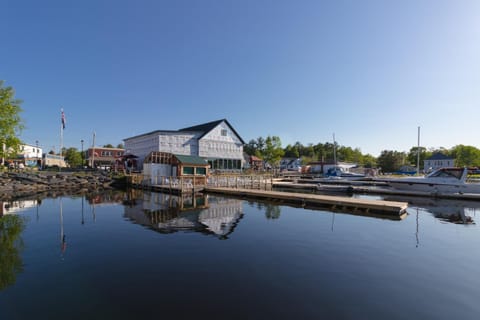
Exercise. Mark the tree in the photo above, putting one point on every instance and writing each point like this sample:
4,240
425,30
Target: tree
412,155
120,146
465,156
11,124
390,161
73,157
108,145
272,152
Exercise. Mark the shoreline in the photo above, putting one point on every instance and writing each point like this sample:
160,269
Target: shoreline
15,185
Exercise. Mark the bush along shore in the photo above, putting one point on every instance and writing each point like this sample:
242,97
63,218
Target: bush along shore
14,185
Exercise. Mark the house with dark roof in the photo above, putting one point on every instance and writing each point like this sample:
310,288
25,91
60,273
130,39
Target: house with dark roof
217,142
438,160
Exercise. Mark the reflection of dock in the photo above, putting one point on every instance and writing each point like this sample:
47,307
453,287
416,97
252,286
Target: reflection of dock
316,200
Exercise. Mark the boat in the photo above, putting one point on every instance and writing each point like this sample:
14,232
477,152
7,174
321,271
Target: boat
443,180
342,172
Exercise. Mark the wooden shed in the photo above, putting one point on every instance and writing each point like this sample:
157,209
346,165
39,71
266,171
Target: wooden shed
163,164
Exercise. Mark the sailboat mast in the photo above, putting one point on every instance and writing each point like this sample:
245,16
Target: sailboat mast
418,152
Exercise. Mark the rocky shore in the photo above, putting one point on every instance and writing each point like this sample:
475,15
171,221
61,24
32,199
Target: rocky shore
15,185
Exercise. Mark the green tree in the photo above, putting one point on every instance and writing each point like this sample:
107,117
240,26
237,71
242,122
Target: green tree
390,161
291,152
465,156
11,123
108,145
73,157
120,146
369,161
11,245
251,147
412,155
272,152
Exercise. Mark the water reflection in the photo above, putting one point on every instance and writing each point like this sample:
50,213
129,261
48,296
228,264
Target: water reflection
168,213
11,246
451,211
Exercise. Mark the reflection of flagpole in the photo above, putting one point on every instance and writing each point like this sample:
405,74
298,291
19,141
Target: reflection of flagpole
416,232
63,242
333,219
83,219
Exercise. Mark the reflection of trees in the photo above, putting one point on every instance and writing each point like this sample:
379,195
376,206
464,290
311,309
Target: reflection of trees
11,227
272,211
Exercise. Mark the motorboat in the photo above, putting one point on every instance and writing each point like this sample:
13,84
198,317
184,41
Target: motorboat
443,180
339,172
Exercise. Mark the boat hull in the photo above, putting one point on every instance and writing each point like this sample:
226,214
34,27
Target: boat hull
435,187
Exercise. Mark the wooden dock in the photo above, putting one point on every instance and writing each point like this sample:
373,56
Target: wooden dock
317,200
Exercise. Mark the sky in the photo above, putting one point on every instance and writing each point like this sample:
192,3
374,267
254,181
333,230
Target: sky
371,72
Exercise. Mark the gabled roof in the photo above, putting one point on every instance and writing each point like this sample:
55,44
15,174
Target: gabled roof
209,126
439,156
203,128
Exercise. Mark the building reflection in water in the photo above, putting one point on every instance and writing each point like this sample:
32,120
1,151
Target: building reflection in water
168,213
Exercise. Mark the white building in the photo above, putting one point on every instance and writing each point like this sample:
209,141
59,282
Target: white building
438,160
216,141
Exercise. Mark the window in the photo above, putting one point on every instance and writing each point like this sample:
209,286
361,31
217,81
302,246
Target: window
223,133
188,170
202,171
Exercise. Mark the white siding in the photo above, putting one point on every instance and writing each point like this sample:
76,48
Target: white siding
216,145
179,143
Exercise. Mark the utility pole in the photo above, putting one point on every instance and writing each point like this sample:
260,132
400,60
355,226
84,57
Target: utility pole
83,161
93,151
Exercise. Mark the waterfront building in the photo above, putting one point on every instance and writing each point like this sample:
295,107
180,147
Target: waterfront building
438,160
53,160
217,142
105,158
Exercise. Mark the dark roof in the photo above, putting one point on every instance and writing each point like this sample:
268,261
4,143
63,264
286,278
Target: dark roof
151,132
191,160
439,156
209,126
204,128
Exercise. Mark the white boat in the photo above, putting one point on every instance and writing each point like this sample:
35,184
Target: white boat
443,180
343,172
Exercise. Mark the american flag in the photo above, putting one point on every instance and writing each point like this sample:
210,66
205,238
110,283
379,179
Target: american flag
63,119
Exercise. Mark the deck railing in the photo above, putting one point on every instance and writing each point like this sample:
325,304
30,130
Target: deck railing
185,183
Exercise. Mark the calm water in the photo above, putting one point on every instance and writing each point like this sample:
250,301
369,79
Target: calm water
146,255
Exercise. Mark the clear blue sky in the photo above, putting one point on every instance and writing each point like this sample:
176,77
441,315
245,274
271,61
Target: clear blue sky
370,71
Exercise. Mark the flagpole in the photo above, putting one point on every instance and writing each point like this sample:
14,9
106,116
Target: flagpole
61,132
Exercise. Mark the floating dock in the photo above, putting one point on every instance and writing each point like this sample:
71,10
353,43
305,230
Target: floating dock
369,187
317,200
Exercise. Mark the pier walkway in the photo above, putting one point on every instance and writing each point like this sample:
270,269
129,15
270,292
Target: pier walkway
317,200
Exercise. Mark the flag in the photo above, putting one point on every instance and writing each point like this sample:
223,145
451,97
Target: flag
63,119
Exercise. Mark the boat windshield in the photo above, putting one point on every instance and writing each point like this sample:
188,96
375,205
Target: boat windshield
447,173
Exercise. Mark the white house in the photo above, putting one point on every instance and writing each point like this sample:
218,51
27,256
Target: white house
216,141
438,160
291,164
